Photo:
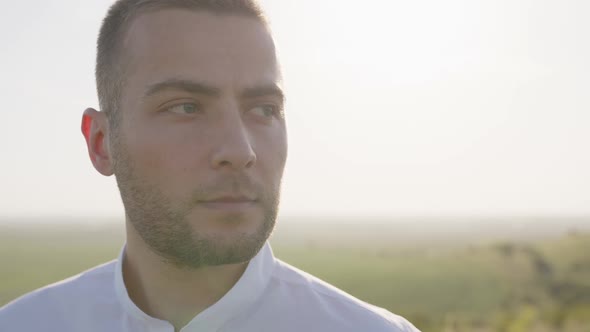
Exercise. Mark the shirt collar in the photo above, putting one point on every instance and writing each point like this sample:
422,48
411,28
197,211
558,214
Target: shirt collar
242,295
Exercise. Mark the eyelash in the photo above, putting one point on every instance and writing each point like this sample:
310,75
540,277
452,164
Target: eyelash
196,108
275,110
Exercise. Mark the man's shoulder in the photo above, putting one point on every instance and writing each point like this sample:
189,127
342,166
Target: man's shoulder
332,306
52,303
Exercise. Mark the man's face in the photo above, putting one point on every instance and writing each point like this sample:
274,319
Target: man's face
201,144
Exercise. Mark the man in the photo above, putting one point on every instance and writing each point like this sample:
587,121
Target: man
192,126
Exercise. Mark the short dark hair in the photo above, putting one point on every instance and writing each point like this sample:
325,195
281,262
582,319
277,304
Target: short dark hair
109,67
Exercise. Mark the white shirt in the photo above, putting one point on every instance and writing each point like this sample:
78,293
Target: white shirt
271,296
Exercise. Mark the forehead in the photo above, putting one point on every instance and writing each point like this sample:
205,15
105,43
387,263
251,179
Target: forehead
220,49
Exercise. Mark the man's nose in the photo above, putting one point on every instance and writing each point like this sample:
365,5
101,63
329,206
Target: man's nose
234,148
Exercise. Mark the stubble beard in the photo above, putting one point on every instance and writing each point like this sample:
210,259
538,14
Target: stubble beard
166,230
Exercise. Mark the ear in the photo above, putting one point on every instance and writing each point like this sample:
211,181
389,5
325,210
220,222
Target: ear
95,131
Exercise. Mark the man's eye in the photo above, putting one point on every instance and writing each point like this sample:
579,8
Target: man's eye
186,108
266,111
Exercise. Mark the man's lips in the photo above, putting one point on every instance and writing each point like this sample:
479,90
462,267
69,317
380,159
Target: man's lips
229,203
230,199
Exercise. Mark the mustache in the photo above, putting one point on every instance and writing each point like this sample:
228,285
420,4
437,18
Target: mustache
235,185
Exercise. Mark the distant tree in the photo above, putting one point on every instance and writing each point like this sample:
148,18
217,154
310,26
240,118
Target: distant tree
505,249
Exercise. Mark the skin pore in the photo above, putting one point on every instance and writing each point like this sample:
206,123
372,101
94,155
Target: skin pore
198,154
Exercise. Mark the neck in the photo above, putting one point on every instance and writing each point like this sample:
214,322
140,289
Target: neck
169,293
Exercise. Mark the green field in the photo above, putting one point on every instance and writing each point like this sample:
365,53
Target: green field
440,280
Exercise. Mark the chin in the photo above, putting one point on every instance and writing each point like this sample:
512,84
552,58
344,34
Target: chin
219,221
231,242
209,238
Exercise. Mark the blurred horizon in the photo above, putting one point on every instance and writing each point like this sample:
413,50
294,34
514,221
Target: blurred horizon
419,229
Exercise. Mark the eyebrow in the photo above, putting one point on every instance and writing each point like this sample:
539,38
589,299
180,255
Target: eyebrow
262,91
204,89
184,85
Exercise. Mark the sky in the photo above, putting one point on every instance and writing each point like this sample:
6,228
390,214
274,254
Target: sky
395,108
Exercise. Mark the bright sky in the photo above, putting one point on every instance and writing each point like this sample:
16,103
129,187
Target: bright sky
395,108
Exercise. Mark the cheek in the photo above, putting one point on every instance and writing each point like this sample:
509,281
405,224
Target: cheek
272,155
164,156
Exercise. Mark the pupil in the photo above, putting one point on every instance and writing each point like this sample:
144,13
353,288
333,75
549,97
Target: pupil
189,108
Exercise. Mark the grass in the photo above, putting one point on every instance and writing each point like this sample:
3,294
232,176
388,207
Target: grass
541,285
